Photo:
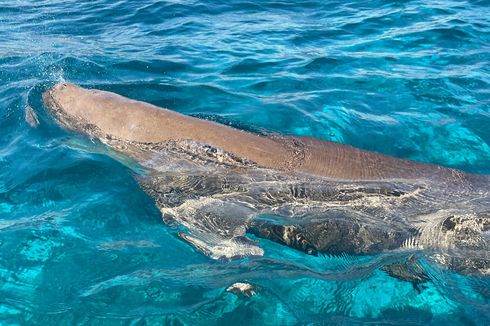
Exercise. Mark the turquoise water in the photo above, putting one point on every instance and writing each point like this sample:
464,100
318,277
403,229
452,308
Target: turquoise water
80,243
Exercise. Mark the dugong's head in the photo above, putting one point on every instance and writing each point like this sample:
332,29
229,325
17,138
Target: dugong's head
74,107
103,114
67,98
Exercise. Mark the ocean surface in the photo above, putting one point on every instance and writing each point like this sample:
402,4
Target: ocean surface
81,243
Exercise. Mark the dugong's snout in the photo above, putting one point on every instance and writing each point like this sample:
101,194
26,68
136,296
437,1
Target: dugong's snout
55,98
67,104
53,101
48,98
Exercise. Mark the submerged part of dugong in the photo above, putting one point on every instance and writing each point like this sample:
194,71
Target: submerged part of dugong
222,185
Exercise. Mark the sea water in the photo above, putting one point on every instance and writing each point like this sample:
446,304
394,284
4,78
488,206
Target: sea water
80,242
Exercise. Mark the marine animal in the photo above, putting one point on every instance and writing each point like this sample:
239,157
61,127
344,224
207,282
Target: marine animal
225,187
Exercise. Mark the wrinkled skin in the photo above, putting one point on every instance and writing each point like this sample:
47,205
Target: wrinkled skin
221,185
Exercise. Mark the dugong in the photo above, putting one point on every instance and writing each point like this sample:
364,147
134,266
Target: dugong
226,188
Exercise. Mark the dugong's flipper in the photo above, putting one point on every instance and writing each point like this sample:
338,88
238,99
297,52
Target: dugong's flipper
215,227
200,198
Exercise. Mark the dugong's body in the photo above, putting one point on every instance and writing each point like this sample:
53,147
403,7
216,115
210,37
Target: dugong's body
222,184
141,122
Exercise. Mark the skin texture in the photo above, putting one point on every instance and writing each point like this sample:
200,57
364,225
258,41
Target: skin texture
136,121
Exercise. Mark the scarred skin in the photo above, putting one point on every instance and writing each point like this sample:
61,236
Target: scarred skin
137,121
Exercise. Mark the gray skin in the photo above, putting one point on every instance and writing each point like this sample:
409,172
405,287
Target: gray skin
222,185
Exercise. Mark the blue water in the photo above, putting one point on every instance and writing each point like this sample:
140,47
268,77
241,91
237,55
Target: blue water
80,243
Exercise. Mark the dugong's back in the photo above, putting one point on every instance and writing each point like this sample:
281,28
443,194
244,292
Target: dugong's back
115,116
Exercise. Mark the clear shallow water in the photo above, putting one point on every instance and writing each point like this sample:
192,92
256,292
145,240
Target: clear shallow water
81,243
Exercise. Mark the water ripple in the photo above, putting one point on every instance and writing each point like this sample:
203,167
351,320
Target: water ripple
81,243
